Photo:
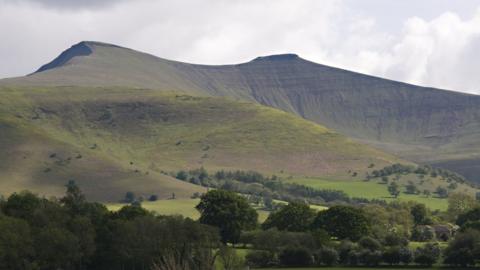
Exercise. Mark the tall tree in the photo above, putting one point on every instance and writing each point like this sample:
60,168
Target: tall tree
294,217
229,212
343,222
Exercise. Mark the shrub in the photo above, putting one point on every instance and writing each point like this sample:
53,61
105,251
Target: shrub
369,243
423,233
394,239
326,256
260,258
391,255
427,255
295,257
463,249
370,257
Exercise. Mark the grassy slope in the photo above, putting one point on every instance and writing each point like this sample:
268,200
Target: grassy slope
127,137
374,189
423,124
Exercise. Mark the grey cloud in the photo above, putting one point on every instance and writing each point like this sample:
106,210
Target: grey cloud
69,4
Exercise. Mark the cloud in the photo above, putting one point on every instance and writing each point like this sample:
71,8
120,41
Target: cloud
67,4
435,50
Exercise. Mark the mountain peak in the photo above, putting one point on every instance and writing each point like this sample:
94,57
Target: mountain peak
79,49
277,57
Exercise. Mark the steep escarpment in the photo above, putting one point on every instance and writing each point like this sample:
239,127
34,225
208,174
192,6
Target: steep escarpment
422,124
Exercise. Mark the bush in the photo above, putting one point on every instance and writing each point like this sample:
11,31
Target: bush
295,257
462,250
344,250
326,256
370,257
427,255
391,255
393,239
260,258
423,233
369,243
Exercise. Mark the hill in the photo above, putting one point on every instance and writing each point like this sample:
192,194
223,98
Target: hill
425,125
114,140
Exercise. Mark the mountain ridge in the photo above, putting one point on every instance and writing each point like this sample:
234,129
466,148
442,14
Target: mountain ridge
422,124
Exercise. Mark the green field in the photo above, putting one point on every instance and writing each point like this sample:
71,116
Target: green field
370,190
184,207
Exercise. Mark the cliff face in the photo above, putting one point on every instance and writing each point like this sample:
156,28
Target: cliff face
422,124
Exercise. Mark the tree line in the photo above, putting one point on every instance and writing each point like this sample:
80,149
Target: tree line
71,233
264,189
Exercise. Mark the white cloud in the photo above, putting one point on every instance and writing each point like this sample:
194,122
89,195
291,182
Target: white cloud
435,50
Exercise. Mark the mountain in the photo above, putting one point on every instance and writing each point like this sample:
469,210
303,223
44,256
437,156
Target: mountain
115,140
422,124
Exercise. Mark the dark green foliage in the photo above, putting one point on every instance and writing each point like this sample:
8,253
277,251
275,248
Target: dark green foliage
464,250
472,215
343,222
427,255
411,188
400,169
294,217
129,197
423,233
16,244
295,257
71,233
260,258
394,239
394,189
369,243
131,212
441,192
229,212
396,255
274,240
268,188
370,258
419,213
392,255
326,256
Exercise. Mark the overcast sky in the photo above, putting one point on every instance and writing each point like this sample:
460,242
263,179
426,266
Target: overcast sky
429,42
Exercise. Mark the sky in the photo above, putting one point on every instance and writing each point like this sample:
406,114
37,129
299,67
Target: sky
426,42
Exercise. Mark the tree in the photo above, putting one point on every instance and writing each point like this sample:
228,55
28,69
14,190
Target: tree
295,257
441,192
469,216
464,250
74,198
230,259
385,179
294,217
419,213
326,256
343,222
411,188
260,258
129,197
459,203
182,175
394,189
427,255
16,244
229,212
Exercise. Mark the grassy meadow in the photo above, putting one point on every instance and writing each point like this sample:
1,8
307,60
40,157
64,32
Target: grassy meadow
372,189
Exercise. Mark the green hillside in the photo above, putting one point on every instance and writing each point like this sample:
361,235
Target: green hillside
116,140
421,124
